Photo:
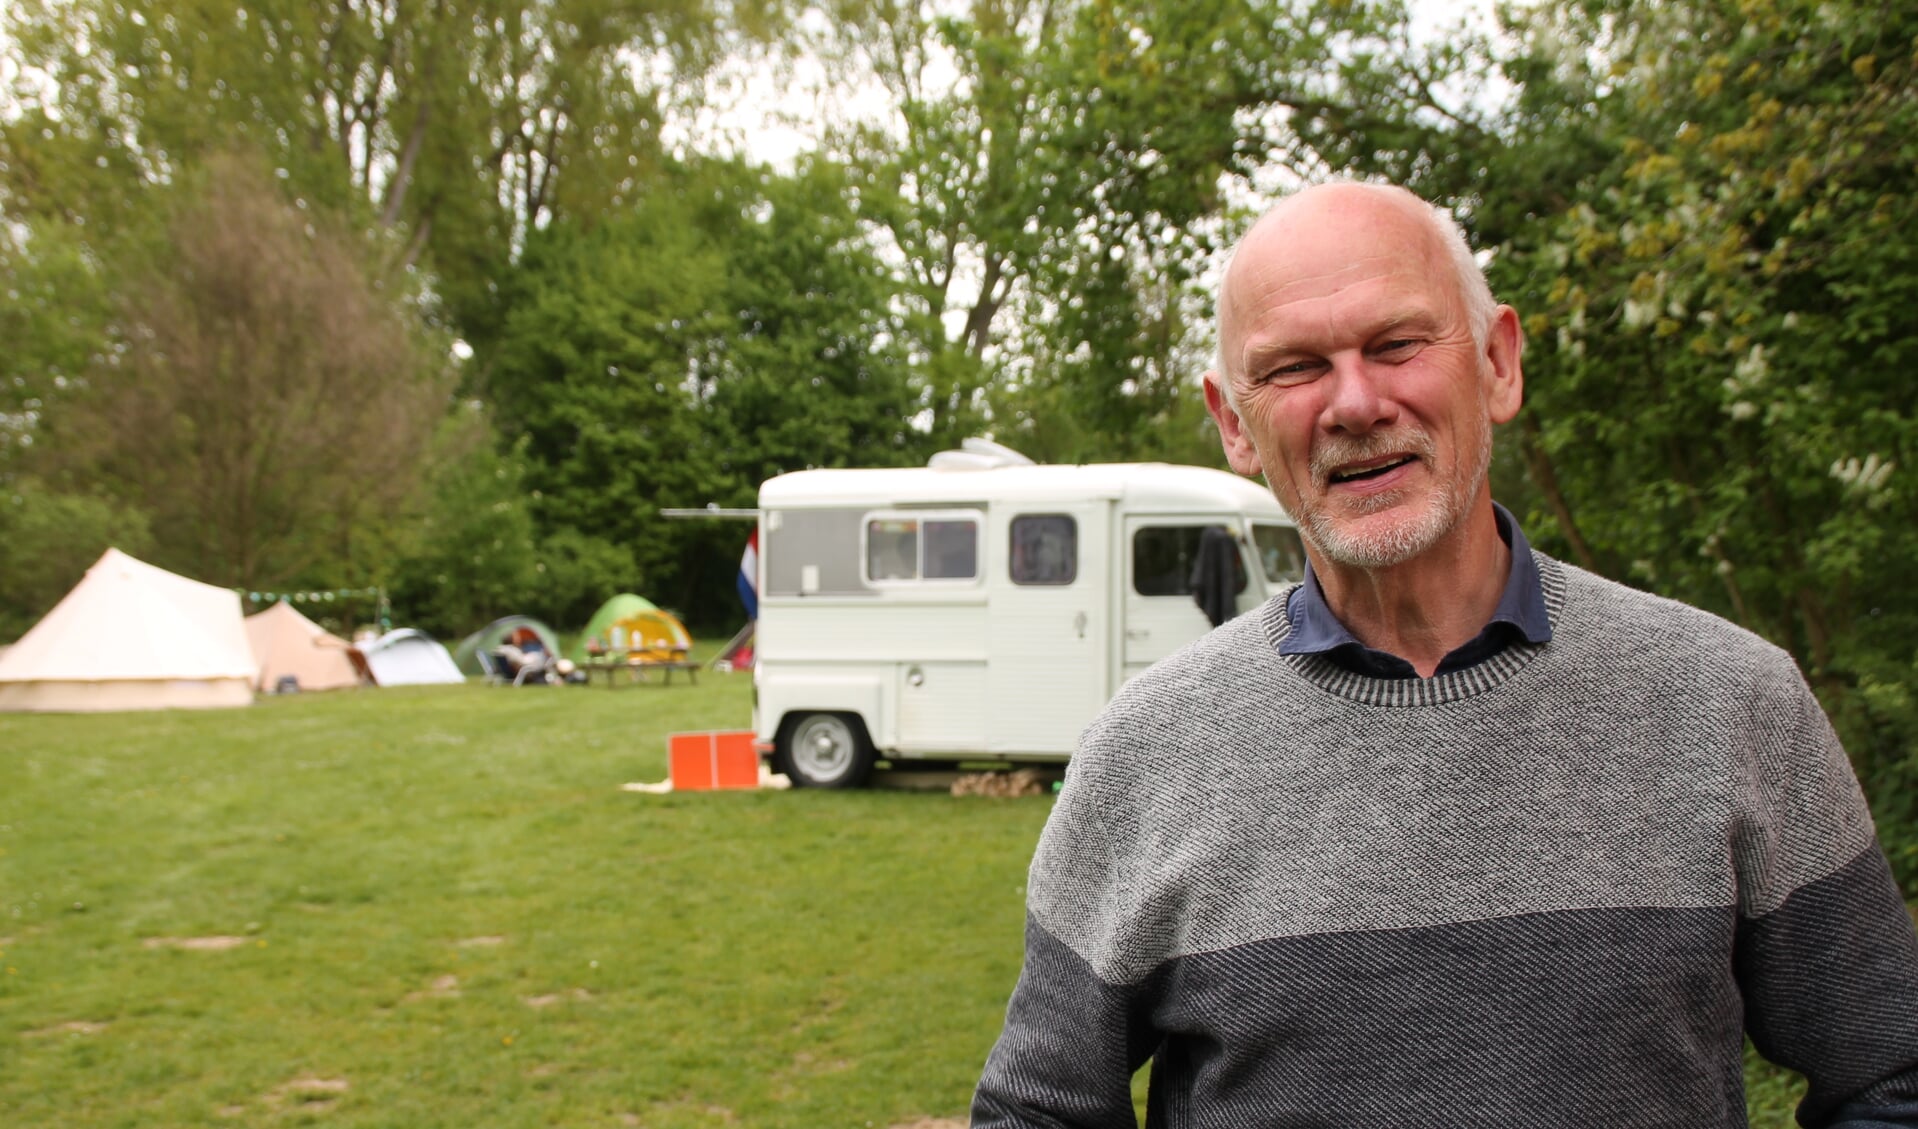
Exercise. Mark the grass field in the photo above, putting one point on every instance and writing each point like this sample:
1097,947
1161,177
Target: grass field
448,913
436,907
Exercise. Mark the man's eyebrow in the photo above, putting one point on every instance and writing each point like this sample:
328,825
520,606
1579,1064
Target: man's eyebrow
1424,320
1264,352
1254,357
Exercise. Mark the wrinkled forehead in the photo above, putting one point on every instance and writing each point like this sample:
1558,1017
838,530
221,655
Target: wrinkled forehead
1317,248
1258,284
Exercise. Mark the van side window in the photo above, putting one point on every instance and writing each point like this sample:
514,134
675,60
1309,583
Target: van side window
1162,560
1281,555
1045,549
945,547
952,550
892,550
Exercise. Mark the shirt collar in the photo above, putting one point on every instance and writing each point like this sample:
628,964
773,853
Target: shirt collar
1521,604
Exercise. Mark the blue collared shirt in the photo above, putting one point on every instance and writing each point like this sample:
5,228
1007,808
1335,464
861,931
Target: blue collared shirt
1520,614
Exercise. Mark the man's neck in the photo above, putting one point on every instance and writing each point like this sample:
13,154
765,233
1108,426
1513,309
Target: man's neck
1427,607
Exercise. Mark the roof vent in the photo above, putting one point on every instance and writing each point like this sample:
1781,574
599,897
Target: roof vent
978,454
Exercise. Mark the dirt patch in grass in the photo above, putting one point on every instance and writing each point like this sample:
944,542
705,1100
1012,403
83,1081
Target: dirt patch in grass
1020,782
551,998
480,942
71,1027
810,1063
307,1093
194,944
705,1111
442,988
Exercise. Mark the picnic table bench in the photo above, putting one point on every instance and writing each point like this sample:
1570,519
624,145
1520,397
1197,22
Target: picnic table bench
638,665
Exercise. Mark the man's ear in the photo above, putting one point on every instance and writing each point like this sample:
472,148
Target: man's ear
1239,450
1504,346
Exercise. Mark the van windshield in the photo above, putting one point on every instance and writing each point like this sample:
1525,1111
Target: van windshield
1281,554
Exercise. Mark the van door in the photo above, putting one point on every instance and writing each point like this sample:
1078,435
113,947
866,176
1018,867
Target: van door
1049,626
1159,611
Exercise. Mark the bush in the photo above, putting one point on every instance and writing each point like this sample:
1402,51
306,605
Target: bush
474,557
48,540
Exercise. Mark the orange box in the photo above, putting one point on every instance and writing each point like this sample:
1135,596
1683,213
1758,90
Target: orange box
725,758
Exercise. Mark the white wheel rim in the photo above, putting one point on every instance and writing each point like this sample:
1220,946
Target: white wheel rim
822,748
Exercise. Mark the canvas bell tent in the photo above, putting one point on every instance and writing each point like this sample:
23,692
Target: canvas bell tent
132,637
407,657
291,646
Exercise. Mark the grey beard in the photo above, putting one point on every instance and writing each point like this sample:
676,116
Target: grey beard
1405,539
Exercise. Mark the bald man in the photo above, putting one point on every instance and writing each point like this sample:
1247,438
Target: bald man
1451,833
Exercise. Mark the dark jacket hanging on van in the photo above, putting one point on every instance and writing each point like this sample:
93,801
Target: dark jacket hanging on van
1216,576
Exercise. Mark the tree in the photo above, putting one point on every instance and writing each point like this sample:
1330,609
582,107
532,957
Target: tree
267,395
48,540
459,127
738,325
473,555
816,368
1719,273
1055,204
55,308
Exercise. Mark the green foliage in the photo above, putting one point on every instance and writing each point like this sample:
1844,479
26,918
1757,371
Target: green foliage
58,304
461,127
1057,206
576,572
1772,1093
473,556
1718,293
267,393
815,369
736,326
48,540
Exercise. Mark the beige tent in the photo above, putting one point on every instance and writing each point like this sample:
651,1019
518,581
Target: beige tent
132,637
289,645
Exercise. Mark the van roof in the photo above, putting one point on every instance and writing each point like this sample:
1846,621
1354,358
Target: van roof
1143,486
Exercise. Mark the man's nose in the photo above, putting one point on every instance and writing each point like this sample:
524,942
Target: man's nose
1357,399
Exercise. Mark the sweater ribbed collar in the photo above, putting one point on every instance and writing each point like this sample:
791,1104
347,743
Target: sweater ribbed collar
1449,687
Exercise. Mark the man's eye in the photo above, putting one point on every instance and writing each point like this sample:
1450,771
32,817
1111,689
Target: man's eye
1398,345
1289,373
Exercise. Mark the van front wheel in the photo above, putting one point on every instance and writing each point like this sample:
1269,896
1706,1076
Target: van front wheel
825,750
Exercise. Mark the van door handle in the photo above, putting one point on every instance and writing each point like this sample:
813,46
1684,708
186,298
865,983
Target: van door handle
1137,633
1079,623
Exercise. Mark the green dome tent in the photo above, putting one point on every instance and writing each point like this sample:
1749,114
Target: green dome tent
609,613
466,655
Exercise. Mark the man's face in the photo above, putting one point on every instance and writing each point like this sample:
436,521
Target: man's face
1362,395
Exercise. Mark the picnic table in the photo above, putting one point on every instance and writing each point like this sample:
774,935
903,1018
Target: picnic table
636,664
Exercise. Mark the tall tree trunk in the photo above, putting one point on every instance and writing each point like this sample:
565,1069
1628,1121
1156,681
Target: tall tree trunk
979,318
1723,566
1538,466
409,156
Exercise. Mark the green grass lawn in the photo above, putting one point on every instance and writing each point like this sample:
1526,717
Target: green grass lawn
445,903
436,907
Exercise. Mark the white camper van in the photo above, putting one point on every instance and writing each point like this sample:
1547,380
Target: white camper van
977,609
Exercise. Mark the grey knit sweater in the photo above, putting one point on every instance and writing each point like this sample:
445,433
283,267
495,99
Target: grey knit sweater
1555,889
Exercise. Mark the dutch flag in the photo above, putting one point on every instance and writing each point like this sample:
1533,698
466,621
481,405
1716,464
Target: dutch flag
749,576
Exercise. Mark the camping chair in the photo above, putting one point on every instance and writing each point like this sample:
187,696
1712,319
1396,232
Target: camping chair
526,666
494,667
